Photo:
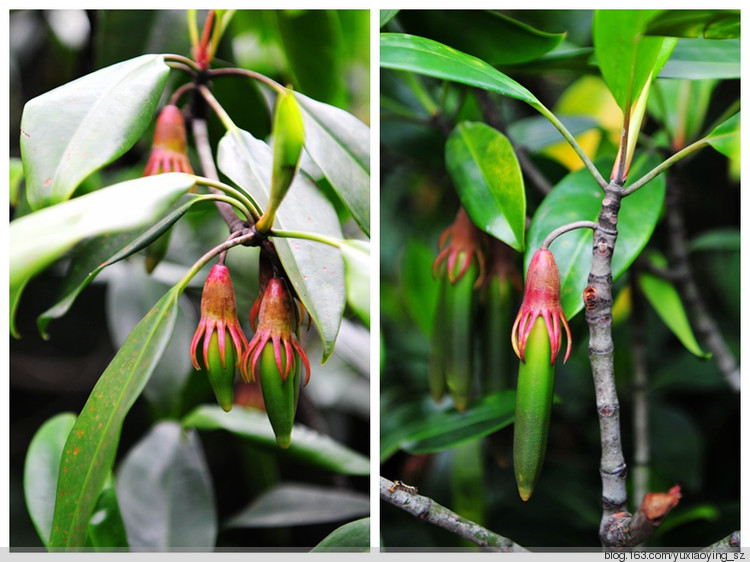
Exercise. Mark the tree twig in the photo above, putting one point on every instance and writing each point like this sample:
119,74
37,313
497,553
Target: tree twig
200,135
618,527
730,543
705,324
430,511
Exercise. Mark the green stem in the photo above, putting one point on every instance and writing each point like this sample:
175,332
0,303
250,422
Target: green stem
676,157
335,242
566,228
573,143
418,89
208,256
251,209
183,60
247,74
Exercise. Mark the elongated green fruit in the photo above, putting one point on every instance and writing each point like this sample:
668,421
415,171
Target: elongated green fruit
221,377
440,333
497,320
288,140
279,396
536,380
459,349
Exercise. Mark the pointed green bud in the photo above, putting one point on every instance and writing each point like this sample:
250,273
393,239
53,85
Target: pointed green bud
288,140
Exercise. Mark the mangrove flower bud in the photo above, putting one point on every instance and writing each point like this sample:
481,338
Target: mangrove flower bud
274,356
458,245
288,140
219,320
168,154
536,339
169,149
541,299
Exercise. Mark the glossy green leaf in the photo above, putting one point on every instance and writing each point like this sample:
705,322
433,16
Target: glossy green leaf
425,56
350,537
700,59
726,137
578,197
41,469
487,176
625,55
339,144
666,301
421,426
318,71
93,255
75,129
91,446
418,287
291,504
38,239
106,529
316,270
494,37
711,24
356,254
308,447
165,490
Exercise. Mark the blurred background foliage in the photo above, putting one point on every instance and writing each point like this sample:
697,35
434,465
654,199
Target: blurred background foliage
694,425
324,54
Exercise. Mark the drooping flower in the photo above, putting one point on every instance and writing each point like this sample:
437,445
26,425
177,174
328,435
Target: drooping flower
541,298
458,245
169,149
219,316
278,321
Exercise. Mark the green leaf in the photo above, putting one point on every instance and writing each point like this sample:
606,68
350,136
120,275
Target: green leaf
700,59
316,270
726,137
677,444
625,55
93,255
291,504
166,495
487,176
317,71
467,481
71,131
38,239
91,446
356,255
308,447
339,144
106,529
666,301
421,426
711,24
41,469
578,197
494,37
425,56
350,537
